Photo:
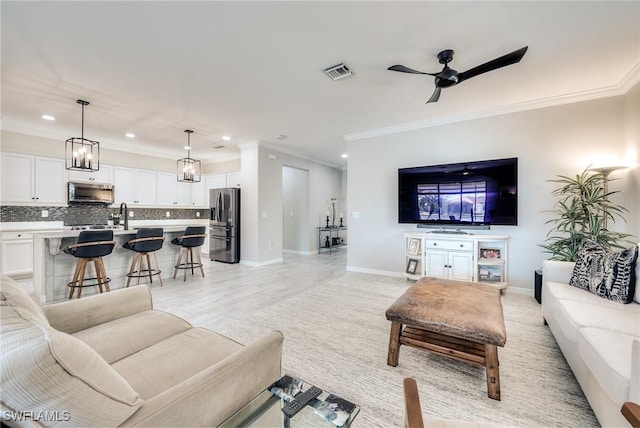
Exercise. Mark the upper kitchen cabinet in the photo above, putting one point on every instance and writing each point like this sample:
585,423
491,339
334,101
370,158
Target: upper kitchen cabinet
32,180
172,192
134,186
214,181
233,179
103,175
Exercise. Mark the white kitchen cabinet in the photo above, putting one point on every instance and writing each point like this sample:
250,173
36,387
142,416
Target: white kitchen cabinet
16,253
459,257
198,197
135,186
214,181
103,175
233,179
171,192
32,180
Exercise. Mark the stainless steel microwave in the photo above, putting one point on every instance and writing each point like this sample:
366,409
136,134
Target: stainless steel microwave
93,193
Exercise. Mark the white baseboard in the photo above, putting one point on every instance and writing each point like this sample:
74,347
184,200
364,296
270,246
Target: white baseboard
375,271
300,253
264,263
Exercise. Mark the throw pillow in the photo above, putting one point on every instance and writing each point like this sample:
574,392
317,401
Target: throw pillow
605,273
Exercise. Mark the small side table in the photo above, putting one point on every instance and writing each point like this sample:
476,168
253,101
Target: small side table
538,285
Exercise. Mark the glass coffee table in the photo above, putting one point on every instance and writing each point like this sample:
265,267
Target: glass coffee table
326,409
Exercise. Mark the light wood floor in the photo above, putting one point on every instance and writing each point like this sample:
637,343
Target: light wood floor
235,290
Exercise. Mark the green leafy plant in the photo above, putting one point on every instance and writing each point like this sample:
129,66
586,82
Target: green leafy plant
582,213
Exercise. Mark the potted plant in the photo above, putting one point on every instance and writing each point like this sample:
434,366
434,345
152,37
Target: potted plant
582,213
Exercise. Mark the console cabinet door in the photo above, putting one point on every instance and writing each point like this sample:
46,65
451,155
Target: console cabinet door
461,266
436,264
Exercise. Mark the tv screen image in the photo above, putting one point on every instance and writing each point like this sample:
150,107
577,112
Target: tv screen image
479,193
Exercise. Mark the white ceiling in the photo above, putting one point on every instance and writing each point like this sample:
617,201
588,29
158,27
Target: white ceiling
252,70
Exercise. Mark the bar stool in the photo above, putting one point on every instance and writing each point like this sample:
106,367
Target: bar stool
193,238
91,246
146,241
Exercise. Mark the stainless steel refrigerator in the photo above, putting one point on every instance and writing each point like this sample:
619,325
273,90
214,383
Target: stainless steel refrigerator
224,228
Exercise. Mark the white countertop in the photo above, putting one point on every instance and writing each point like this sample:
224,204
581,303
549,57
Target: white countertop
50,228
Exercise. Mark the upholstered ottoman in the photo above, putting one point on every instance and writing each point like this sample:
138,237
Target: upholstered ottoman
461,320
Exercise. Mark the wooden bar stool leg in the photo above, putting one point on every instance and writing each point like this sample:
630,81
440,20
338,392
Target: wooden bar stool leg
133,266
96,266
175,270
104,275
140,260
187,253
76,275
158,266
83,262
200,261
191,254
149,267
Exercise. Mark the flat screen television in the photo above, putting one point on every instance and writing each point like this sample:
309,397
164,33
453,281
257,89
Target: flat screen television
458,195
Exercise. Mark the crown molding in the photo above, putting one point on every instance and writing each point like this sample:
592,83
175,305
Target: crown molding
625,85
297,154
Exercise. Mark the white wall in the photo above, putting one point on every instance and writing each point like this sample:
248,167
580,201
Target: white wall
547,142
262,167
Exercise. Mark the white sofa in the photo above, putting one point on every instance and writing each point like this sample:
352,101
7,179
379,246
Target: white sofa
599,338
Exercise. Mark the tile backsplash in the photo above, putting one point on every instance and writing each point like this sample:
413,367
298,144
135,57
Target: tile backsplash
93,214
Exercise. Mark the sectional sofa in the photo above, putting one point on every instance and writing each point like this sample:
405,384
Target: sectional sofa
599,338
112,360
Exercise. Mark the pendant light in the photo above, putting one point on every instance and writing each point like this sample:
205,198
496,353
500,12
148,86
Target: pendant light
82,154
188,168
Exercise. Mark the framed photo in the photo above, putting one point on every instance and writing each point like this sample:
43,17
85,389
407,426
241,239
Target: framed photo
414,246
490,273
490,253
412,265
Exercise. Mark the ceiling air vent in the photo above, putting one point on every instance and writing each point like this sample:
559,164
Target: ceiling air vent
337,72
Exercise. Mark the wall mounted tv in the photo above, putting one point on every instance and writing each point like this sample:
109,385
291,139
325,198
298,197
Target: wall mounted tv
459,195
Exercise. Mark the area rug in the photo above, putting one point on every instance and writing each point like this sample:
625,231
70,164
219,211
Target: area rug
336,337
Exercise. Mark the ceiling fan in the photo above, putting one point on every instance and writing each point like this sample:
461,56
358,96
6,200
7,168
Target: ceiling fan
449,77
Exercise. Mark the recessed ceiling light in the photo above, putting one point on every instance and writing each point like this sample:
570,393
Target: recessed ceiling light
48,117
226,138
281,137
130,135
344,155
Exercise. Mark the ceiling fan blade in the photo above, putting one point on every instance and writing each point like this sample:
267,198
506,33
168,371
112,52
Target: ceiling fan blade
508,59
403,69
435,96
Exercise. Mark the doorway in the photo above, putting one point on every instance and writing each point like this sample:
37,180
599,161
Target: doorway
295,212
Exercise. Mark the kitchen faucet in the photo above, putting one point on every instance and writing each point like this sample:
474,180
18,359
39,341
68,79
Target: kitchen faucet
123,205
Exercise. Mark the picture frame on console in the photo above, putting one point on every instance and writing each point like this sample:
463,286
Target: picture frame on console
412,266
413,247
490,253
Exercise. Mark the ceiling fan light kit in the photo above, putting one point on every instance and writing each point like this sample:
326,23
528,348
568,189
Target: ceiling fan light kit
82,154
449,77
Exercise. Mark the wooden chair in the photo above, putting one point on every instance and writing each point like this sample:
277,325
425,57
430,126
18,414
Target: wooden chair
193,238
631,411
91,246
147,241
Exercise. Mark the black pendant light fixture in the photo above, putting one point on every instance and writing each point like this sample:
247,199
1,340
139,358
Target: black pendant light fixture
188,168
82,154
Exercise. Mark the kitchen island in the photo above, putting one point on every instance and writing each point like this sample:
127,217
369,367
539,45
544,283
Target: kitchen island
53,269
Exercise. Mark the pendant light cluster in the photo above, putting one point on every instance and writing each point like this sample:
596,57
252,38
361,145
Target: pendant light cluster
188,168
82,154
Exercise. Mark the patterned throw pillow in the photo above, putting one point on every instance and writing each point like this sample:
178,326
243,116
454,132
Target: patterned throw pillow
605,273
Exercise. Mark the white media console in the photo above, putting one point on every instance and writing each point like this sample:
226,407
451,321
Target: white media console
457,256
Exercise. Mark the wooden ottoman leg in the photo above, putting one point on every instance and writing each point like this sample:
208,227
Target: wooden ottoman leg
493,371
394,343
